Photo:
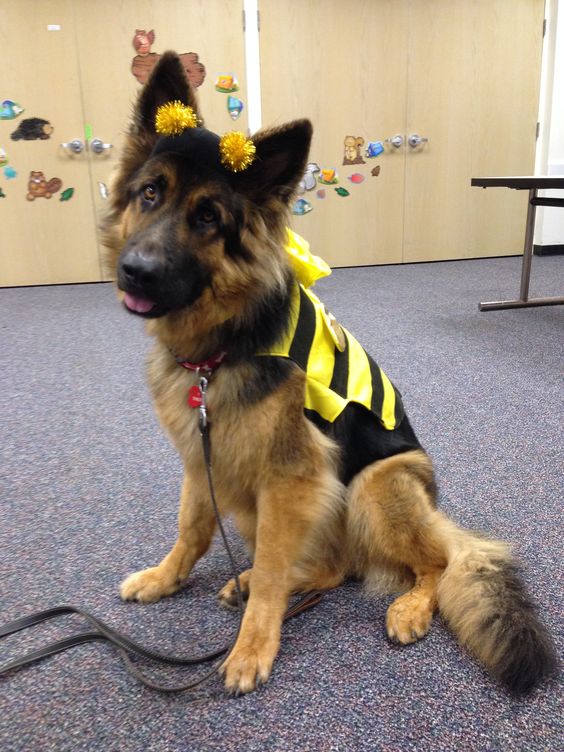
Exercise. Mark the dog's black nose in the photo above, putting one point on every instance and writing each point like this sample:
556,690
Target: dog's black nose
139,269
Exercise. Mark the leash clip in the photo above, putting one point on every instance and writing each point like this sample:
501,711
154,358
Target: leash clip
203,408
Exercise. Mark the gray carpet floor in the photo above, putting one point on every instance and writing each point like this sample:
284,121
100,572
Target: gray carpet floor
89,490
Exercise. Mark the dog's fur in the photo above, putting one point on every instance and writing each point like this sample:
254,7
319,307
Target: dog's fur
206,247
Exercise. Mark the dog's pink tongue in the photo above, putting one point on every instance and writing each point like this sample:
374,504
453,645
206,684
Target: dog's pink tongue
139,305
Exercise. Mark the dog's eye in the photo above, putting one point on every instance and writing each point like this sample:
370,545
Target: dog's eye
149,193
207,216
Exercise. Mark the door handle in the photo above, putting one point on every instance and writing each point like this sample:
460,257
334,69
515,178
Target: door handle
415,140
395,141
76,146
98,146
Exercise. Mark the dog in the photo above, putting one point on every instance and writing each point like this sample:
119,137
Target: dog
318,465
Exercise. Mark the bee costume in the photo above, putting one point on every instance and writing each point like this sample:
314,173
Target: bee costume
347,395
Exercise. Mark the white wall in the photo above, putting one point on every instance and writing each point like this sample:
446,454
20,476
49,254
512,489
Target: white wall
550,152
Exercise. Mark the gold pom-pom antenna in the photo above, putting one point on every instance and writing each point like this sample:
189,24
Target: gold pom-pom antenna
173,118
237,152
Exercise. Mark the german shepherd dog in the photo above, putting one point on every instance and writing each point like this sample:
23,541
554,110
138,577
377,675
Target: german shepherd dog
198,250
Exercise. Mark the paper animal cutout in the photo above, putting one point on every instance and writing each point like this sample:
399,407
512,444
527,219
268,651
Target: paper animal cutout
145,60
32,129
353,146
10,110
39,187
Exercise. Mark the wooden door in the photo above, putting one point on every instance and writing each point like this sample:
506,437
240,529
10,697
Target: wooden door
463,74
79,77
473,91
44,240
212,29
343,65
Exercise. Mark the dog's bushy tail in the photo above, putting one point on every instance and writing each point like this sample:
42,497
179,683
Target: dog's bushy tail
486,605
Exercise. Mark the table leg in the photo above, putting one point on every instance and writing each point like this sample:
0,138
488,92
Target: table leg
524,301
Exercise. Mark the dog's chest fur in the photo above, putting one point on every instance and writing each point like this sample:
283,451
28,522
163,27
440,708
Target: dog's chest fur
244,437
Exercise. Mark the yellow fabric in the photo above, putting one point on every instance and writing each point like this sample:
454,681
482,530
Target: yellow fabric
389,403
321,363
307,267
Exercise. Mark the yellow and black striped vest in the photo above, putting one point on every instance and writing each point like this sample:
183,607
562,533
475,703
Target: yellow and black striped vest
338,370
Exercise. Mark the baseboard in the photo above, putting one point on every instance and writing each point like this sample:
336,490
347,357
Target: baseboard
548,250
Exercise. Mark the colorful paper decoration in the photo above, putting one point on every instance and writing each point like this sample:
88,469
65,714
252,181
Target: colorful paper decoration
328,176
356,177
10,110
67,194
234,107
375,171
301,207
321,193
226,83
10,173
32,129
3,157
342,191
39,187
374,148
145,60
308,182
2,194
353,146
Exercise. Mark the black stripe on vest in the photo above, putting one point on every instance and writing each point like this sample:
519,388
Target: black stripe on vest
340,377
377,388
398,411
305,332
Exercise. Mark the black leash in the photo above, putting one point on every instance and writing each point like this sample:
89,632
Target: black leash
125,646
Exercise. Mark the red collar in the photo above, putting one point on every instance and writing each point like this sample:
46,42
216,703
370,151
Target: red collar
206,366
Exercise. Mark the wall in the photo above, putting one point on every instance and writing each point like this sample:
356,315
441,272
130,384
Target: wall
550,157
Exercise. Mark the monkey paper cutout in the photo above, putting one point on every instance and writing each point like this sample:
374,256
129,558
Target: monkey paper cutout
353,146
145,60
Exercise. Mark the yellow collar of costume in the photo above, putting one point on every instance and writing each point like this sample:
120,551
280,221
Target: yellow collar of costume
307,267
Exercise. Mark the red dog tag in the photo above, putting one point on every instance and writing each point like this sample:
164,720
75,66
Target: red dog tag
194,396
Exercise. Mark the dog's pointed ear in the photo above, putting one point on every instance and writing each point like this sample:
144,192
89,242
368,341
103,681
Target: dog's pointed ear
167,83
279,164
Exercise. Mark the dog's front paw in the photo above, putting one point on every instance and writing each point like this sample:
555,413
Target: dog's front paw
247,667
148,585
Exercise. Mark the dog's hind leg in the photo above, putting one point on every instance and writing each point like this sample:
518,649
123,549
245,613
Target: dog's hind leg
472,580
392,522
228,594
196,524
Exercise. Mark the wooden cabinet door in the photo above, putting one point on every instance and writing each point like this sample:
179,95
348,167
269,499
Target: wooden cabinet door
212,29
343,65
463,74
79,78
473,91
44,240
